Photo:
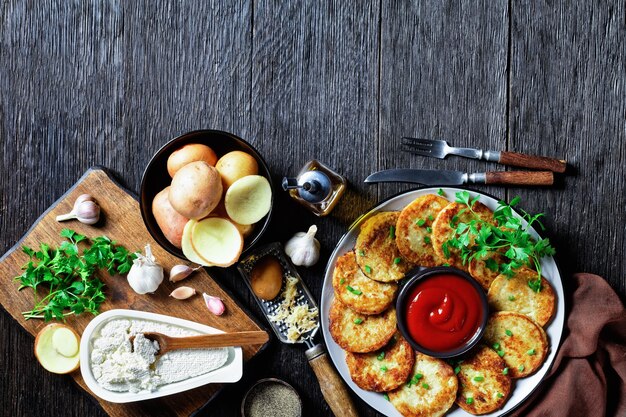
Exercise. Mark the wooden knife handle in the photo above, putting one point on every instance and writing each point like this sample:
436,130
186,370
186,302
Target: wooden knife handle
253,337
520,177
334,390
531,161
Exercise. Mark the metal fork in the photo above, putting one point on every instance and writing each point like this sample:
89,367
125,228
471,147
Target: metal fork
440,149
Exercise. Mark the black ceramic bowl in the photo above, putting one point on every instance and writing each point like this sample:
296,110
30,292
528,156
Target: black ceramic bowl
156,178
404,299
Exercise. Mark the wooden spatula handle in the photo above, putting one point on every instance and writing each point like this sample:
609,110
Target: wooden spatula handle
333,389
520,177
531,161
255,337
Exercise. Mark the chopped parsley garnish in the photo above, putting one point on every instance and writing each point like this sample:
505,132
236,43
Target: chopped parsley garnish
477,238
354,290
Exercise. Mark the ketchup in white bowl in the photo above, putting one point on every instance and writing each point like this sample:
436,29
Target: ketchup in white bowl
442,312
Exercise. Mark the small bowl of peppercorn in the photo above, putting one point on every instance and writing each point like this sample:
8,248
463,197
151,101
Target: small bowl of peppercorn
271,397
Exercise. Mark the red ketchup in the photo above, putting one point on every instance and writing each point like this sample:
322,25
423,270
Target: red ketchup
443,312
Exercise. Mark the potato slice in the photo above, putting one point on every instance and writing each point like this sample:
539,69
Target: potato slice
217,241
57,348
248,199
187,247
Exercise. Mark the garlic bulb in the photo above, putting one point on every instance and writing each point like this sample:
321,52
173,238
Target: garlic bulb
303,248
145,275
85,210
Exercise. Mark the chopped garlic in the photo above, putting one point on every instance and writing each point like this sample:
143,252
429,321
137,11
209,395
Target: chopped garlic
299,319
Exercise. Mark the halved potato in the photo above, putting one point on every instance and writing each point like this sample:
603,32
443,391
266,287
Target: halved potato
187,247
248,199
57,348
217,241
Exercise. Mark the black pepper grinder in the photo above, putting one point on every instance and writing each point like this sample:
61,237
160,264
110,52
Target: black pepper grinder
317,187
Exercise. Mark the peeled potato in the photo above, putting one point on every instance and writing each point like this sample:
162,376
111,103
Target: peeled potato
57,348
196,189
217,241
169,220
190,153
266,278
187,247
235,165
248,199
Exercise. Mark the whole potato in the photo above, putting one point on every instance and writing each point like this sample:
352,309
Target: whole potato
190,153
171,222
235,165
196,190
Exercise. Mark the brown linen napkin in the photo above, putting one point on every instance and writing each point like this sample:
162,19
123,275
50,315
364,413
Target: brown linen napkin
588,377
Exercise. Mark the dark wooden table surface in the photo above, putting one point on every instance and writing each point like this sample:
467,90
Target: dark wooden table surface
109,82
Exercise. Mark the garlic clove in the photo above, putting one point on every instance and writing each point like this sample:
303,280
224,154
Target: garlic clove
180,272
182,293
87,212
83,197
214,304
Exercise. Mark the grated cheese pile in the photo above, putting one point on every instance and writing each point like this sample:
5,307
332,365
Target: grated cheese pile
299,319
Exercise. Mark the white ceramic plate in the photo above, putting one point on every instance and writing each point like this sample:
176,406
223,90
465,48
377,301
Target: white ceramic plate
522,388
230,372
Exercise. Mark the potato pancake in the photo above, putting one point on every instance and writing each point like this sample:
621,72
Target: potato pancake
356,332
357,291
376,251
483,387
385,369
430,390
443,230
414,229
519,340
484,270
514,294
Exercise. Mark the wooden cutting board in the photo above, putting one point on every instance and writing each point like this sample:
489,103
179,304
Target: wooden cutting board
122,223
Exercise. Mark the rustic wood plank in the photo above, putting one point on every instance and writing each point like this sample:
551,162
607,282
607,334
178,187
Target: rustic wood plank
315,87
568,76
443,76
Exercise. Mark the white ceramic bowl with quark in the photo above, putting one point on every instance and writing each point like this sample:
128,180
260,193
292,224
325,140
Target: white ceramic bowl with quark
231,371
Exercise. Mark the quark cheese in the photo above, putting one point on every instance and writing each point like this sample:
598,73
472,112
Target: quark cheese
119,368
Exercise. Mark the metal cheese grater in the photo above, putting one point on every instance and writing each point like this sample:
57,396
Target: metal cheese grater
333,389
269,307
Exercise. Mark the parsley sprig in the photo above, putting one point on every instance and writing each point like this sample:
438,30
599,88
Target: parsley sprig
69,276
508,237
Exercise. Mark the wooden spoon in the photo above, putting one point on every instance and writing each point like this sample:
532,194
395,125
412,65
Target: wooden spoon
167,343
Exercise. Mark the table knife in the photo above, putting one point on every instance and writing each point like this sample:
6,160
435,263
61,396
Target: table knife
440,177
